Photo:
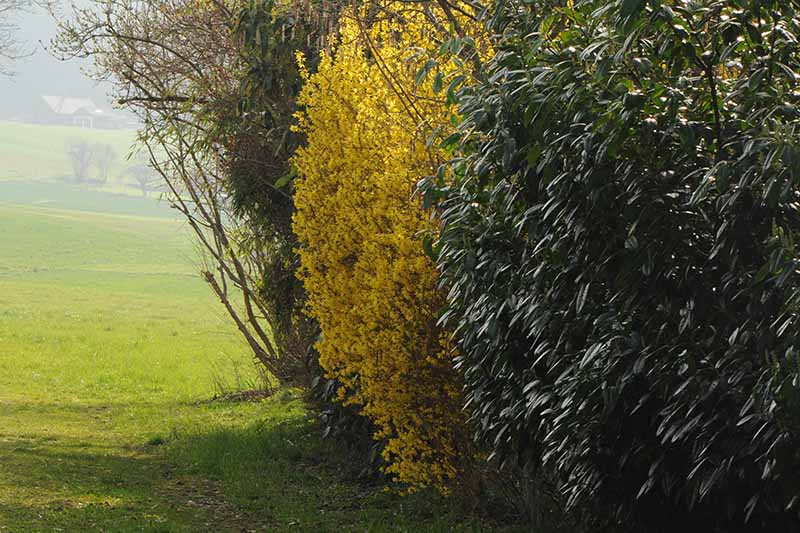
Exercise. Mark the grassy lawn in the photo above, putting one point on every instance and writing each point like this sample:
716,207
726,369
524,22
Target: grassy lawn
36,150
110,347
59,195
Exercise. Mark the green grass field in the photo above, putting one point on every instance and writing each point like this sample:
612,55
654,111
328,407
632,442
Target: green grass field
58,195
31,150
110,347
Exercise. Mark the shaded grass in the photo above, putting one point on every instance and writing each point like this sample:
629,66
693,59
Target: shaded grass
275,466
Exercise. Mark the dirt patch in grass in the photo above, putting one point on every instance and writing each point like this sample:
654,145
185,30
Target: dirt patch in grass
204,497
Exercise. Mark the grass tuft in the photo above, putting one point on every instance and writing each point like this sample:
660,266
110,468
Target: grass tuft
156,440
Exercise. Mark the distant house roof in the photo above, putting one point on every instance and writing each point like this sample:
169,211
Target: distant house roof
65,105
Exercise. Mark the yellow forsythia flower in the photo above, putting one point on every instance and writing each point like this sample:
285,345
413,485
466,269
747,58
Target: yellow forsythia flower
370,285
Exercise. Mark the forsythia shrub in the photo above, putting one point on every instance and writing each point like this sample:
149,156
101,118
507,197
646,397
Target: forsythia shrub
370,284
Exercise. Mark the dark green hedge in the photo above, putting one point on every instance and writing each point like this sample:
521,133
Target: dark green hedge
619,245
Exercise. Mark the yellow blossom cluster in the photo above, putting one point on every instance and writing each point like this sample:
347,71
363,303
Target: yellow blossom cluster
370,284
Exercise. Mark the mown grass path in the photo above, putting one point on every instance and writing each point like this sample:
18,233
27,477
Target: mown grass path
106,337
110,347
53,479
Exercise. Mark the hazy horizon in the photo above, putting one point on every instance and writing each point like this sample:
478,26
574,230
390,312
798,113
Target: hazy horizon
42,74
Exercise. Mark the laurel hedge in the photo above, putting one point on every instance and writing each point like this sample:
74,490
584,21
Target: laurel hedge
619,243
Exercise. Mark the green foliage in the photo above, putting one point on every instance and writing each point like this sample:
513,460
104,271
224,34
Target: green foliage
620,251
258,145
258,142
261,181
259,139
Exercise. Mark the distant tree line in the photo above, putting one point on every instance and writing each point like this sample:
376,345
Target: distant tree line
92,163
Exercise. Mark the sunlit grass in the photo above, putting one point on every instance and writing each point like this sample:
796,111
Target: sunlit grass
110,348
106,338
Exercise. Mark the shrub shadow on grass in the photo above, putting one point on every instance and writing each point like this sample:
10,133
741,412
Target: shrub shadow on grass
61,486
257,466
278,468
66,516
55,484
